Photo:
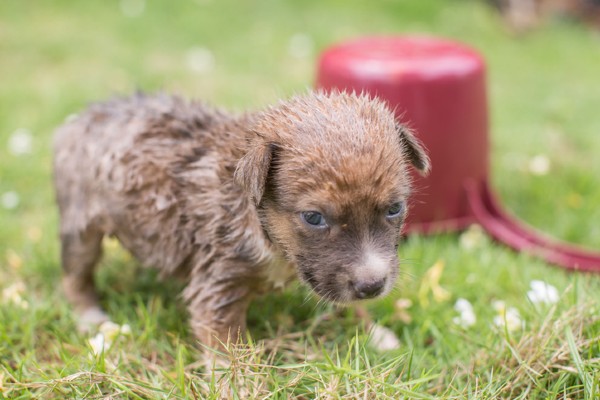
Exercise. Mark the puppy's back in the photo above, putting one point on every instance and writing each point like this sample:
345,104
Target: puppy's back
118,167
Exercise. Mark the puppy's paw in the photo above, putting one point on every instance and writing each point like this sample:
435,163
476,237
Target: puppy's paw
382,338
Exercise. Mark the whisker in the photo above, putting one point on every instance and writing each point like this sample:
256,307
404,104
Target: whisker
410,261
309,295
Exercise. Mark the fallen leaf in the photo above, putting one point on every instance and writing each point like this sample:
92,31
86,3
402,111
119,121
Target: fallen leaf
431,283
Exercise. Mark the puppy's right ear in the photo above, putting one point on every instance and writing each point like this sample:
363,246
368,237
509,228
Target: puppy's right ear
414,150
253,169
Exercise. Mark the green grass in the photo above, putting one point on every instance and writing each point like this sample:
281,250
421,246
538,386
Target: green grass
55,57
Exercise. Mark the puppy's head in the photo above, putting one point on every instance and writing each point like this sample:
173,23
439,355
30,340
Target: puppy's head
329,176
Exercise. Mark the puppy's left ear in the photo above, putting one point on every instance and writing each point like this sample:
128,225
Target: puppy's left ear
253,169
414,150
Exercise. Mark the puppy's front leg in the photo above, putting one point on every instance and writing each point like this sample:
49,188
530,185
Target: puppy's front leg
218,312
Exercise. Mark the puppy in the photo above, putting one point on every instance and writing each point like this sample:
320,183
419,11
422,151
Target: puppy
524,15
315,187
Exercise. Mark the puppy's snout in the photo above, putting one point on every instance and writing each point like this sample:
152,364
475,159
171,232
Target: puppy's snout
368,289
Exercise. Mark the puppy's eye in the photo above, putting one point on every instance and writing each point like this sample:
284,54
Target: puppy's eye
314,218
396,210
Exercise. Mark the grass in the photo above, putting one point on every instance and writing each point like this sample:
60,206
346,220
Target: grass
55,57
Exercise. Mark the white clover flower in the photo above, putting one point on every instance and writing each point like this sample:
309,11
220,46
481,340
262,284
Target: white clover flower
300,45
539,165
111,331
12,294
20,142
507,318
108,332
499,306
542,292
125,330
132,8
466,317
383,339
10,200
97,344
472,238
200,60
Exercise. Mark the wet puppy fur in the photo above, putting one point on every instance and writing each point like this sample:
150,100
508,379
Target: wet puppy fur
315,187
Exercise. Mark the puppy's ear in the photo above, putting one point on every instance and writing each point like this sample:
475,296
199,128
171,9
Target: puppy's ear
414,150
253,168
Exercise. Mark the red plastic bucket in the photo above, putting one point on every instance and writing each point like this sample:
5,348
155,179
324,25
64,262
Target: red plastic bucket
438,88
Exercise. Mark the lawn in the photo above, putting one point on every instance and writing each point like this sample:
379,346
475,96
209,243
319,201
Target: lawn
56,57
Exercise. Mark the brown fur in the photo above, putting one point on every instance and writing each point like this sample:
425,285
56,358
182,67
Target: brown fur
524,15
218,199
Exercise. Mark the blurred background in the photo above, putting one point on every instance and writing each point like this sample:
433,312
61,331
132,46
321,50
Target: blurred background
543,60
57,57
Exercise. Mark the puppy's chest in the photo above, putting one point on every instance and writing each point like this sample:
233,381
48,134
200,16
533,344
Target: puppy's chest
278,272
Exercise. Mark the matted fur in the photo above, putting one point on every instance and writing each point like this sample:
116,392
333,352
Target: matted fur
218,199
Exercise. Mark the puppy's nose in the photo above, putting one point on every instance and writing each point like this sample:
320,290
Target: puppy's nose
369,289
